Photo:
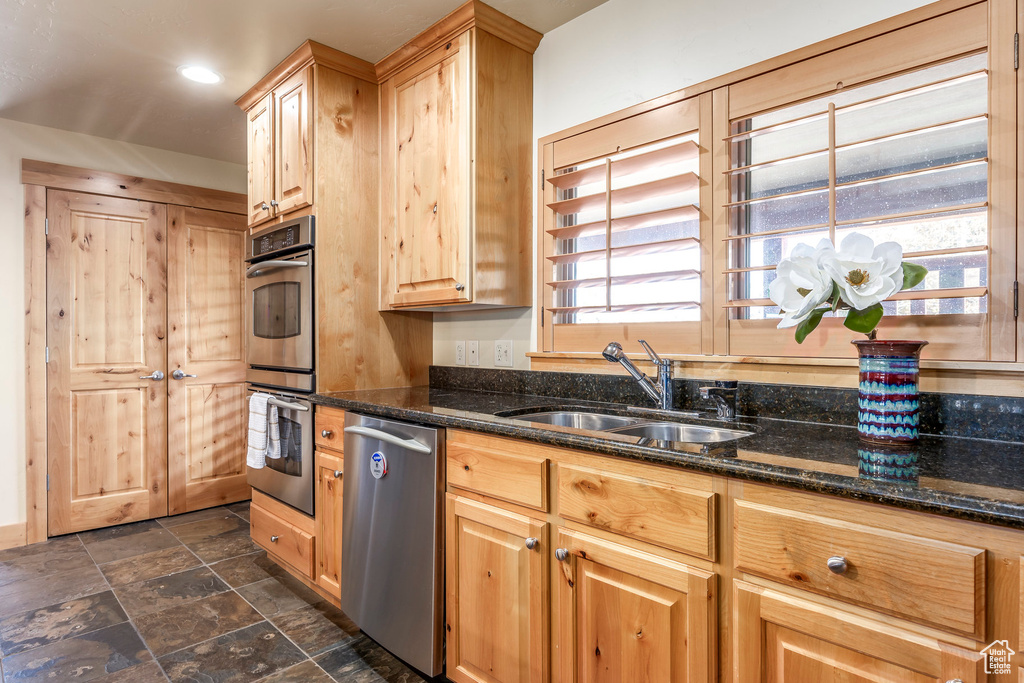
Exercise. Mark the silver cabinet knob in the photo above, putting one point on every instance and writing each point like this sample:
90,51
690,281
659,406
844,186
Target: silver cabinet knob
273,202
264,206
337,474
459,286
435,207
156,376
273,539
954,680
561,554
179,374
837,564
531,543
326,433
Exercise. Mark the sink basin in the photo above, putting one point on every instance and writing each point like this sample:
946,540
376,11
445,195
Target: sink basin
675,431
579,419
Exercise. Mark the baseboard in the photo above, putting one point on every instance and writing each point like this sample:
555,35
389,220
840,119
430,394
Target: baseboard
12,535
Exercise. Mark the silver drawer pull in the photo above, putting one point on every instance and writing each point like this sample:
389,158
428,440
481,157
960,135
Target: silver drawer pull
273,539
837,564
370,433
561,554
326,433
531,543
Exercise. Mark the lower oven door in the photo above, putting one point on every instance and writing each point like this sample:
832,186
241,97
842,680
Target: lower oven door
279,312
289,478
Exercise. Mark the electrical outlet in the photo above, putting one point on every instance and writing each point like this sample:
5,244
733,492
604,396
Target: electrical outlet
503,353
473,353
460,353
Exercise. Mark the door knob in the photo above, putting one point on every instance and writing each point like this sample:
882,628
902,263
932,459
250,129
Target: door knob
156,376
178,374
837,564
561,554
531,543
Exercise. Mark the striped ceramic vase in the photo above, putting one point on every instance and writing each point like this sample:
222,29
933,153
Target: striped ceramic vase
889,401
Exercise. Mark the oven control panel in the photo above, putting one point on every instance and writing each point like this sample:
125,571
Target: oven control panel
286,237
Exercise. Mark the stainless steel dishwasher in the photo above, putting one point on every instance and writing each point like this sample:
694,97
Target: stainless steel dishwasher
392,538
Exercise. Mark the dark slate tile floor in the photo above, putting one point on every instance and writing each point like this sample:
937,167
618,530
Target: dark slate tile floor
185,598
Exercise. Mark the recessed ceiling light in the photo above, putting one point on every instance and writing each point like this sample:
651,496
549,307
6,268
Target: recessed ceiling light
200,74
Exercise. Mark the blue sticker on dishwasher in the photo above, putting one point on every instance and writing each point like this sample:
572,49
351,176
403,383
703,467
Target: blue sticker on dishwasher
378,465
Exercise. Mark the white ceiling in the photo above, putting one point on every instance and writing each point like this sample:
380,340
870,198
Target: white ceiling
108,67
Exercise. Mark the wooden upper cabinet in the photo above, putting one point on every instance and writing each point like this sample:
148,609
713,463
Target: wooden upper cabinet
261,160
456,118
293,129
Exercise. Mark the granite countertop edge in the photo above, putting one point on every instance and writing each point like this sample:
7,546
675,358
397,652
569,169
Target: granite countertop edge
946,503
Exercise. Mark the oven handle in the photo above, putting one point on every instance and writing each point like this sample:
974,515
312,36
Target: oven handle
286,404
390,438
254,270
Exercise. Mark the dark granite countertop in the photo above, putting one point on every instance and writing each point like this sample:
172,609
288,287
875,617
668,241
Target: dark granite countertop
967,478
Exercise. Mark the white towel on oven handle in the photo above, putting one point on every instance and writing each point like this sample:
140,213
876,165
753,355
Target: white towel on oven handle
261,413
273,433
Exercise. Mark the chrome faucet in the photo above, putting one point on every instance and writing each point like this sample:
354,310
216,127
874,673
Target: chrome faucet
661,390
724,395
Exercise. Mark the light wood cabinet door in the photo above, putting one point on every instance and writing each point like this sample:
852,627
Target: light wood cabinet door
205,413
293,145
259,130
329,487
779,638
626,616
106,329
432,142
497,595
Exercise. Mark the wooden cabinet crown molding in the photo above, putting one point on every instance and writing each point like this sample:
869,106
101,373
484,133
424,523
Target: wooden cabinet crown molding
76,179
310,52
472,13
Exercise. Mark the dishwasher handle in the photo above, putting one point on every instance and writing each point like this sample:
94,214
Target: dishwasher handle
389,438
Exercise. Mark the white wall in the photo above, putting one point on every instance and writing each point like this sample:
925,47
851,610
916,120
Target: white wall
18,141
627,51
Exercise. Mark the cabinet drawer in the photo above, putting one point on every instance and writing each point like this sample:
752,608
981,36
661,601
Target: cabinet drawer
330,421
924,580
658,512
516,471
292,545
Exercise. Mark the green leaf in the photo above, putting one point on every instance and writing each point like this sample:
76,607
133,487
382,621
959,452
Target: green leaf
913,275
836,297
809,323
864,321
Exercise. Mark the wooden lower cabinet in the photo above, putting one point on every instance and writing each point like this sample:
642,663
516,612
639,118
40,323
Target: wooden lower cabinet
329,487
780,638
285,533
497,594
628,616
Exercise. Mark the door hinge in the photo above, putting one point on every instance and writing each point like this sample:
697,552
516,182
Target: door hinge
47,482
542,180
47,354
1016,51
46,226
1016,299
542,316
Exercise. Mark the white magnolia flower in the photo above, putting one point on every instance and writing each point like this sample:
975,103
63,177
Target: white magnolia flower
801,283
866,274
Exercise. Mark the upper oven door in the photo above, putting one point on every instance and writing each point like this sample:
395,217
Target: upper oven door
279,312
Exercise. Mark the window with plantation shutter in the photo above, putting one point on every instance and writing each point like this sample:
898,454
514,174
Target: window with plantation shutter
622,257
903,157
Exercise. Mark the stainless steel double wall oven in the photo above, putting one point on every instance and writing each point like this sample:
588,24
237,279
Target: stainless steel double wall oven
280,323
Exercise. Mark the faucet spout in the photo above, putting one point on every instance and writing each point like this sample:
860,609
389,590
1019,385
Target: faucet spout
660,391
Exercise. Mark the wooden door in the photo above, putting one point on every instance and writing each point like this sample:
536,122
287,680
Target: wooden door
626,616
206,338
106,317
782,639
293,130
497,595
261,160
329,488
433,139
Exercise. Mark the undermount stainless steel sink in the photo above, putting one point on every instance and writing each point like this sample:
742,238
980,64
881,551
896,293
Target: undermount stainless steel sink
578,419
675,431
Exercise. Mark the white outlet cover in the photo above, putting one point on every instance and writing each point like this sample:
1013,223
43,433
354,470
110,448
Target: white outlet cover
460,353
503,353
473,353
